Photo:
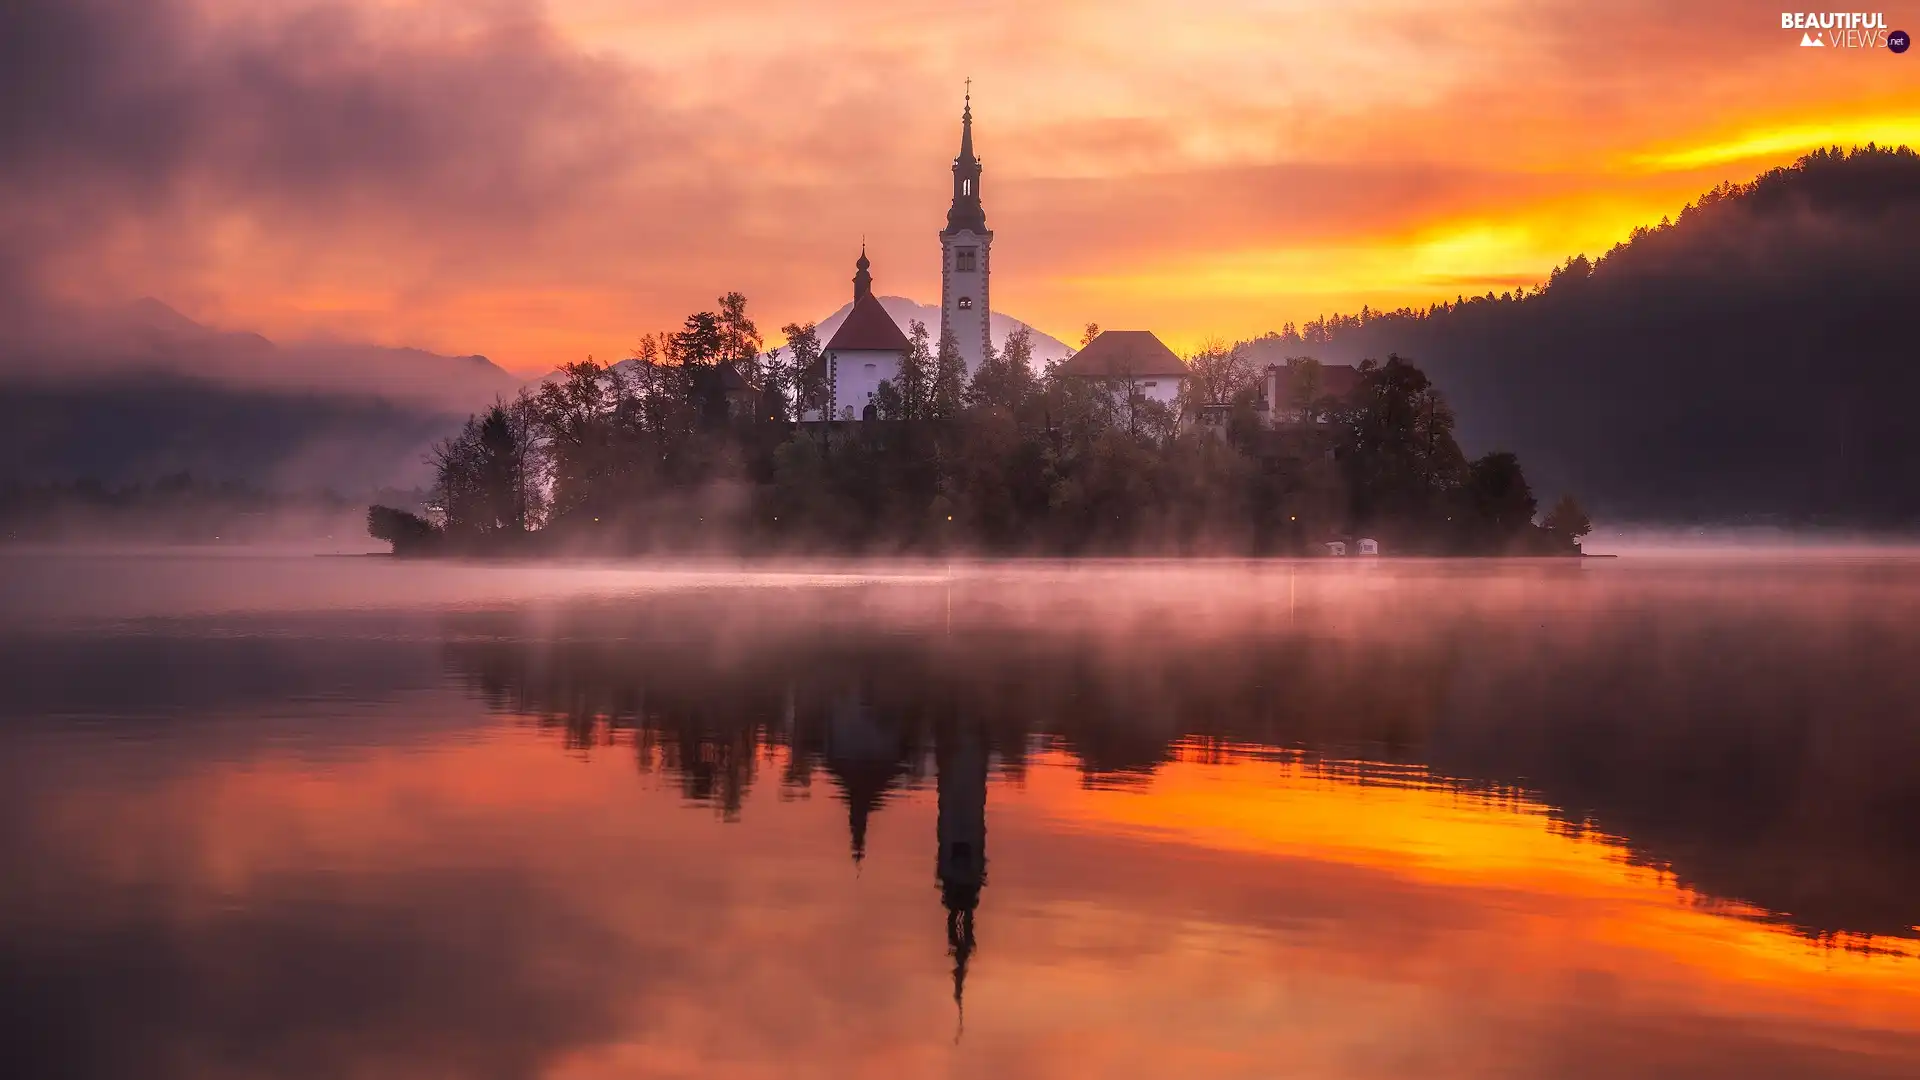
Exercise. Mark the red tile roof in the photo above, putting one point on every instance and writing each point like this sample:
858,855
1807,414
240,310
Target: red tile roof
1337,381
868,326
1126,354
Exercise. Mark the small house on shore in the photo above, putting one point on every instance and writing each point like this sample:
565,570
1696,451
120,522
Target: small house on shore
1134,362
1291,397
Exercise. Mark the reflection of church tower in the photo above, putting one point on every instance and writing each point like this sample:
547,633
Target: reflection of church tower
864,759
962,867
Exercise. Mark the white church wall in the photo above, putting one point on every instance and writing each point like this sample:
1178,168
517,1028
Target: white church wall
857,375
1161,388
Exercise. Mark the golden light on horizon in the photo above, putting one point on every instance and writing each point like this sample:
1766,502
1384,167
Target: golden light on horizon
1767,146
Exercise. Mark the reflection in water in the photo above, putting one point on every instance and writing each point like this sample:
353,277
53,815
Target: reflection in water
1491,821
963,845
1771,763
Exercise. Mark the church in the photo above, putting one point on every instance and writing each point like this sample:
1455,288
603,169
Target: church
866,350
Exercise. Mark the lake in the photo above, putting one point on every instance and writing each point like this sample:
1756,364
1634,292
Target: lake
277,815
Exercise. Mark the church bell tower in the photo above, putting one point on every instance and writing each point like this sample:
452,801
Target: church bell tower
964,245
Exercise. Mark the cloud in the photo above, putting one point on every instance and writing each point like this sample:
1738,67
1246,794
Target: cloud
155,139
538,181
323,109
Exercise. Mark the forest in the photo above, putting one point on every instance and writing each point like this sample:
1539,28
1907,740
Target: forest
695,444
1744,360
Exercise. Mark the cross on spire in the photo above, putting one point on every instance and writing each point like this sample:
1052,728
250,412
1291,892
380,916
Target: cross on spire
966,212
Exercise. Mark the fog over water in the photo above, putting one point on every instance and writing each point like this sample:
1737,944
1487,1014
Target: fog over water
280,815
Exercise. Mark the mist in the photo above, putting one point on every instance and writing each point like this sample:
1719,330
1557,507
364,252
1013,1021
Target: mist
1608,689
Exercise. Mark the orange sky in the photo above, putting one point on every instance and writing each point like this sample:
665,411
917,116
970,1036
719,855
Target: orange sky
538,183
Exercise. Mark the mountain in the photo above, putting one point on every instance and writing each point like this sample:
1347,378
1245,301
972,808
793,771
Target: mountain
904,311
65,344
1750,359
137,391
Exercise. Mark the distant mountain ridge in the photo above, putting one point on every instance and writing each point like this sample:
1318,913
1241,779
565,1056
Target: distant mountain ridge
905,310
1751,359
136,391
60,344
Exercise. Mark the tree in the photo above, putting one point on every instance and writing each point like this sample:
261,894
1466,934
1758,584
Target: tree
738,340
705,342
803,375
887,403
1567,520
948,391
576,415
1005,379
1302,383
1092,331
1400,449
1497,491
914,381
661,388
699,343
406,532
1222,371
486,480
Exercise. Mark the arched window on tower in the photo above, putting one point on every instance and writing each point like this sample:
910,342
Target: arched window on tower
966,303
966,187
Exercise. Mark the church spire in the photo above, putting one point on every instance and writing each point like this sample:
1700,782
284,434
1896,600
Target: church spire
966,127
862,280
966,212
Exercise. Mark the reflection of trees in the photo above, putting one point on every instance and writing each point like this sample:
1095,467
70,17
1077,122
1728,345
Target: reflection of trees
1781,773
707,729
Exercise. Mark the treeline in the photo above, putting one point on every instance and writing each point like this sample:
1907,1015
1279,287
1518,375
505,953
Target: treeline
1743,360
697,443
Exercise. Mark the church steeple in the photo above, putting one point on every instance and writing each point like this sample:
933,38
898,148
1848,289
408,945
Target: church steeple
966,212
966,126
965,249
862,280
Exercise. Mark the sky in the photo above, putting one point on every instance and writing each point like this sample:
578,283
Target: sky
539,182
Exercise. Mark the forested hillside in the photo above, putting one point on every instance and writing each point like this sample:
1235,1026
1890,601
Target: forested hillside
1753,357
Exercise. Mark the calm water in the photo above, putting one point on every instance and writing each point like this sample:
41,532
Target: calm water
296,817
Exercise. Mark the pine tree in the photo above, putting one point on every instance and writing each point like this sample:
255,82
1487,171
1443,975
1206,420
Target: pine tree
914,383
1006,379
949,378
